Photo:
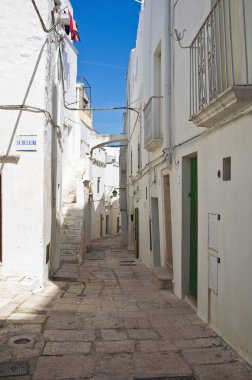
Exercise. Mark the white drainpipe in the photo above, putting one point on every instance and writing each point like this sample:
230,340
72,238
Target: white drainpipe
167,76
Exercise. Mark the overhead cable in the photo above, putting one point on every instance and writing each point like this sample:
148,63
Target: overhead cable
41,20
24,107
86,109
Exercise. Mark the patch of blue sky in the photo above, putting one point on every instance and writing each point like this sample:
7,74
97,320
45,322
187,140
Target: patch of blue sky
108,33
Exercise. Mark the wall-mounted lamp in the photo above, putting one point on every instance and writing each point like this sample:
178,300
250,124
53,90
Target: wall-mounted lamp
114,192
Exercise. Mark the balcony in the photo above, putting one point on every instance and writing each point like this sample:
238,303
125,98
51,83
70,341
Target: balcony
152,124
221,64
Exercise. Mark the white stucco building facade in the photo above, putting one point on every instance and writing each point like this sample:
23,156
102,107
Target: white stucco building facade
92,175
105,210
188,156
34,121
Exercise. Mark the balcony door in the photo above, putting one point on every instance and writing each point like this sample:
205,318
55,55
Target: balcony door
193,279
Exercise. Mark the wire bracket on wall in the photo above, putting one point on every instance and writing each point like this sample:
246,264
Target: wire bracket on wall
179,38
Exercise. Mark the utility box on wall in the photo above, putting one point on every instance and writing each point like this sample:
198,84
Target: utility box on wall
213,251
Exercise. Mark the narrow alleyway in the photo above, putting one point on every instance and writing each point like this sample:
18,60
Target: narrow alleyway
105,319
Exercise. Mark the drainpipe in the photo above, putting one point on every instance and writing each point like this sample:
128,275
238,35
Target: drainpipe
167,62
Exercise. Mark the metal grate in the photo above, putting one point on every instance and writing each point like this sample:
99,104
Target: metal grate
96,259
22,341
166,378
127,264
13,369
65,279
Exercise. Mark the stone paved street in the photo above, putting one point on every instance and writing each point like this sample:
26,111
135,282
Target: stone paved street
105,319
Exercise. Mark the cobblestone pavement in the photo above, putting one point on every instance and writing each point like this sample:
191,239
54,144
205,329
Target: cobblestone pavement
105,319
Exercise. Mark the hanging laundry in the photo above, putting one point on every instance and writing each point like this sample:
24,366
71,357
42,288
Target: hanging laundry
71,24
76,31
73,27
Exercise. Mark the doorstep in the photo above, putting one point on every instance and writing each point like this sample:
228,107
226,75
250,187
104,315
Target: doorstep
162,277
14,283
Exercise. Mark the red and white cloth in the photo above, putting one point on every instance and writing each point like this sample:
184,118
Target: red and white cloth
73,27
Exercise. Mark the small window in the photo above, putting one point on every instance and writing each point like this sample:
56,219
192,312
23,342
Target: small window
131,163
98,184
47,253
227,169
138,155
150,232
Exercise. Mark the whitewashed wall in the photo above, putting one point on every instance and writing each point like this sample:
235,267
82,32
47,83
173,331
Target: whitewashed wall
229,312
103,203
140,88
32,188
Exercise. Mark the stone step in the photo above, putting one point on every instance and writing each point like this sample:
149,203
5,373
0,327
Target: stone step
70,232
69,252
70,220
73,246
72,210
70,240
70,186
162,277
69,191
74,177
70,198
69,259
22,283
71,229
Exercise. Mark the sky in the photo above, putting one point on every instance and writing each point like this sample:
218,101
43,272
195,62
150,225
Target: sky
108,32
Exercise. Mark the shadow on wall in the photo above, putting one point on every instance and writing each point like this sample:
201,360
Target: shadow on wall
24,101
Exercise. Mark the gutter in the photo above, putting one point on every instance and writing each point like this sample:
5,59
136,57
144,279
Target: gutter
168,69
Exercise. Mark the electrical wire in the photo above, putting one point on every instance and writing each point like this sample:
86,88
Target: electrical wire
86,109
41,20
102,108
147,172
134,101
28,108
134,128
206,132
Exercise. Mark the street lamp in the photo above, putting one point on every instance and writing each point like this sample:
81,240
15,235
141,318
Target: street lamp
114,192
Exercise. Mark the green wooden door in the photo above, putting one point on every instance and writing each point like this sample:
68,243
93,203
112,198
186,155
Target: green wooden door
194,229
137,233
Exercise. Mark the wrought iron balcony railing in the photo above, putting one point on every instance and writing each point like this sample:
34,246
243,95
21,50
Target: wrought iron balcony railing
221,53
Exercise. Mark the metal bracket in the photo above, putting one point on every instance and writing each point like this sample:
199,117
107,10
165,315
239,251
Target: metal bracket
9,159
179,37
